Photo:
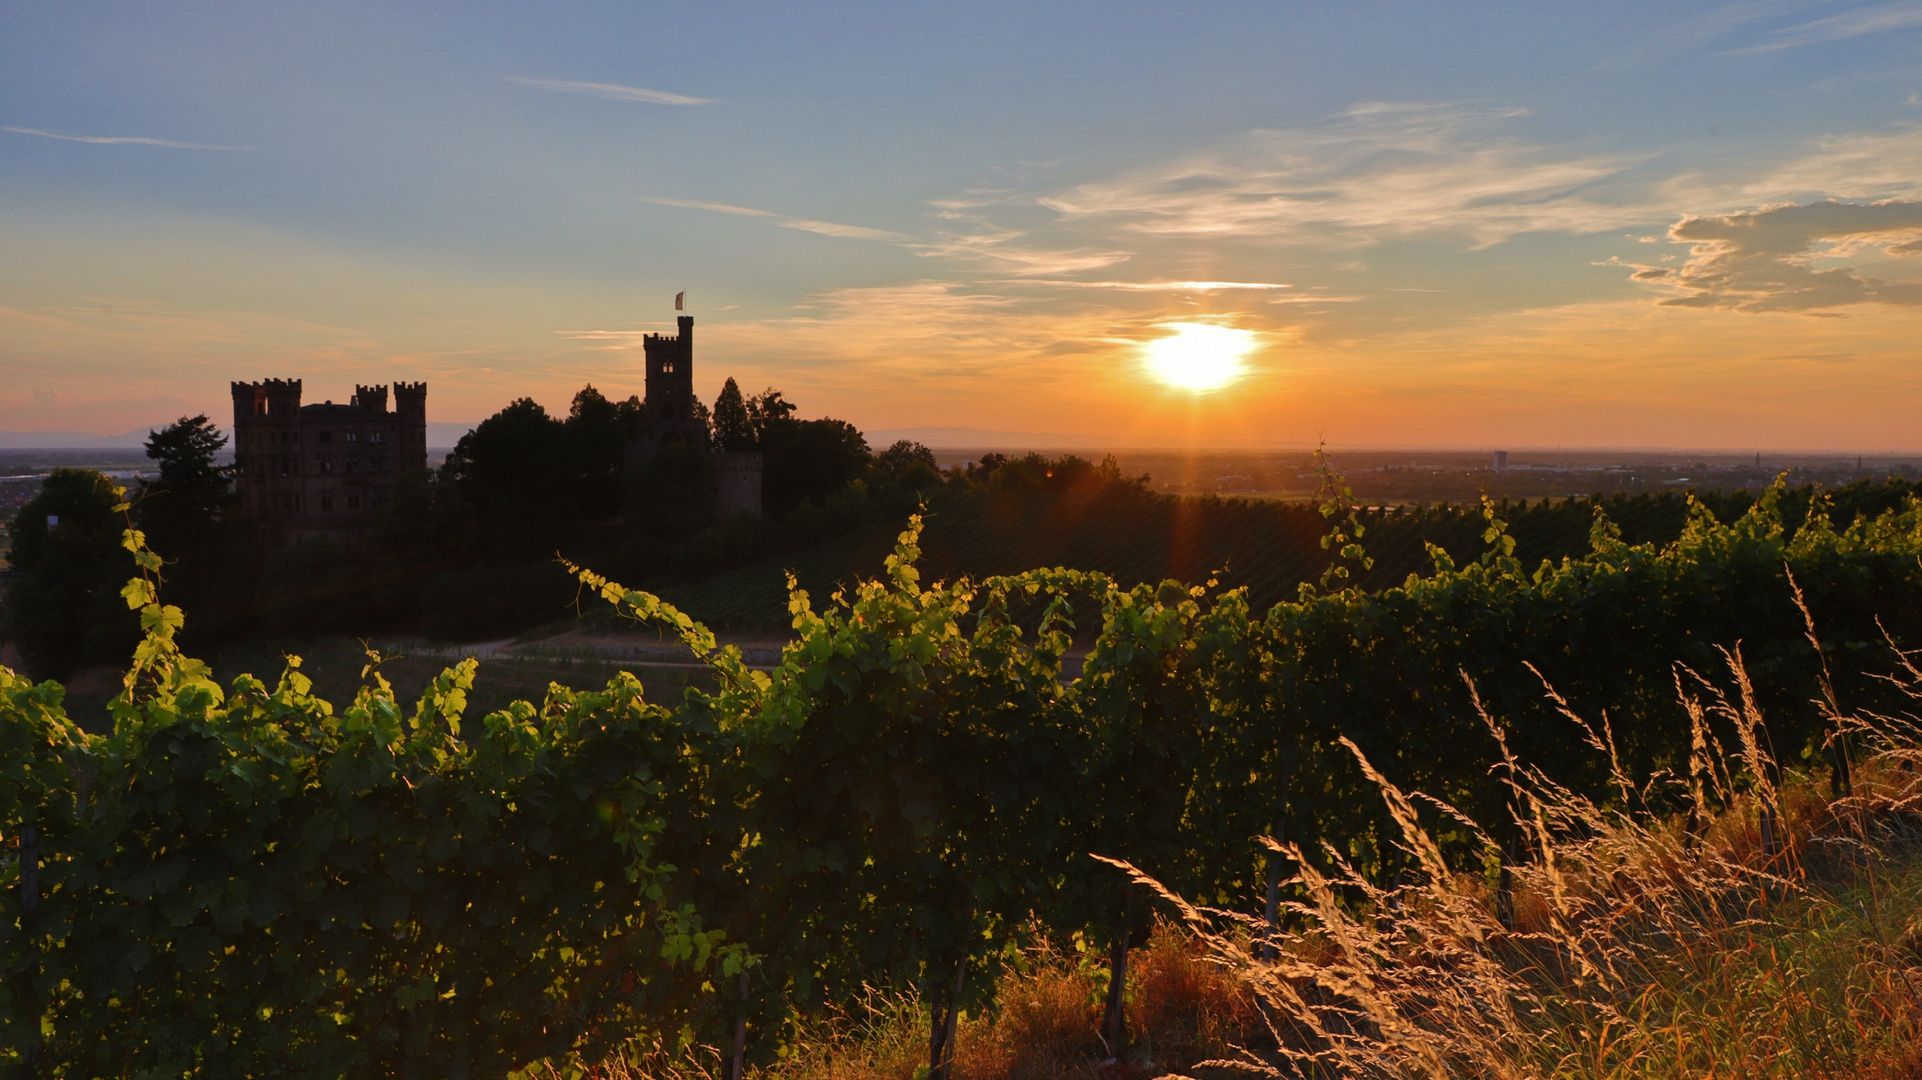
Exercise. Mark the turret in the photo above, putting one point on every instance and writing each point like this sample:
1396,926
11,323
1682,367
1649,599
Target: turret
372,398
670,375
410,401
283,399
250,402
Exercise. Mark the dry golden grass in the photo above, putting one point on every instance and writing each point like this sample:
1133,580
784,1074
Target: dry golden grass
1773,942
1774,932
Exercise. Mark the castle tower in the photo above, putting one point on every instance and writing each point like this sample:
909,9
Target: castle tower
267,446
669,407
410,407
370,397
283,400
669,419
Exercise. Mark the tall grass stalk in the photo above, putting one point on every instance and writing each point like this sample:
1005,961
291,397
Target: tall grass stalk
1769,933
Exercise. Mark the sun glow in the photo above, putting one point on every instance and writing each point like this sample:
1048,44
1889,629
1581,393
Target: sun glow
1198,357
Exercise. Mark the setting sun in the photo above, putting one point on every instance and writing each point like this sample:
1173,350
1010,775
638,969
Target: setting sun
1197,356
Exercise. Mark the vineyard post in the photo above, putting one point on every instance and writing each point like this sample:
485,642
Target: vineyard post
1505,888
1114,1023
942,1024
30,900
738,1068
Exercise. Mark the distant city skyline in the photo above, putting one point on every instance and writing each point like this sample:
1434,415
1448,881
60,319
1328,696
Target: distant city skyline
1476,225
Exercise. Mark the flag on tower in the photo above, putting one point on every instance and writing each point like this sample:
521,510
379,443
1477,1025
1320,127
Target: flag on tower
678,306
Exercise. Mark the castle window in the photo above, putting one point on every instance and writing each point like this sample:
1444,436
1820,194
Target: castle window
326,503
353,436
373,436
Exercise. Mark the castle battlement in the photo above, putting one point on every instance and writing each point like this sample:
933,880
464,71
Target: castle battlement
370,397
323,470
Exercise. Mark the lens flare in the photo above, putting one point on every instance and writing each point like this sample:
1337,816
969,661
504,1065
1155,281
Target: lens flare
1198,357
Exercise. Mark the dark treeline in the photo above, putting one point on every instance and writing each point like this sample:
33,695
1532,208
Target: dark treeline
467,551
463,552
1006,515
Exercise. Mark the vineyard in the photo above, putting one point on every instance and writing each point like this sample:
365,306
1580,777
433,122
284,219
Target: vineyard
1065,513
248,880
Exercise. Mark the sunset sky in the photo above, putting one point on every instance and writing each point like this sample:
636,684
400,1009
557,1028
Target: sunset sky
1623,224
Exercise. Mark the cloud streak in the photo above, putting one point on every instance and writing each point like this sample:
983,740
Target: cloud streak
820,228
1380,170
610,91
1151,286
121,140
1766,260
1880,19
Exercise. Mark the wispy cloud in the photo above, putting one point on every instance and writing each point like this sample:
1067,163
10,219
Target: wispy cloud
611,91
1879,19
1003,250
719,208
1380,169
1867,165
821,228
1696,31
118,140
1765,260
1150,286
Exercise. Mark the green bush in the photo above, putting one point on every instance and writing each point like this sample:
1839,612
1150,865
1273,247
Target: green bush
909,795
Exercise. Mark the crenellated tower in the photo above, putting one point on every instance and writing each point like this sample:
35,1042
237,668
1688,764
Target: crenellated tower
370,397
669,407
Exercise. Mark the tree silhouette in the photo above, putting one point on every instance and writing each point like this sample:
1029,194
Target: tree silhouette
64,611
734,428
767,409
188,515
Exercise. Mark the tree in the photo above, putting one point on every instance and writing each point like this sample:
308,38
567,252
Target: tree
671,496
187,514
734,428
185,450
809,460
767,409
507,469
596,432
909,464
65,610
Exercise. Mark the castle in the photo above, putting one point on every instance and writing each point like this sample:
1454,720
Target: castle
327,469
670,418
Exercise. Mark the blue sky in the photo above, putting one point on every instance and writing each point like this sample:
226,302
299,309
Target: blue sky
1443,224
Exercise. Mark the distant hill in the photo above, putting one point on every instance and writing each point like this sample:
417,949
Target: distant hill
439,434
71,440
967,438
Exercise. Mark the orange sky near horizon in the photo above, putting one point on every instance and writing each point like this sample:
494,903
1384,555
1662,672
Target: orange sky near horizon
1498,226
